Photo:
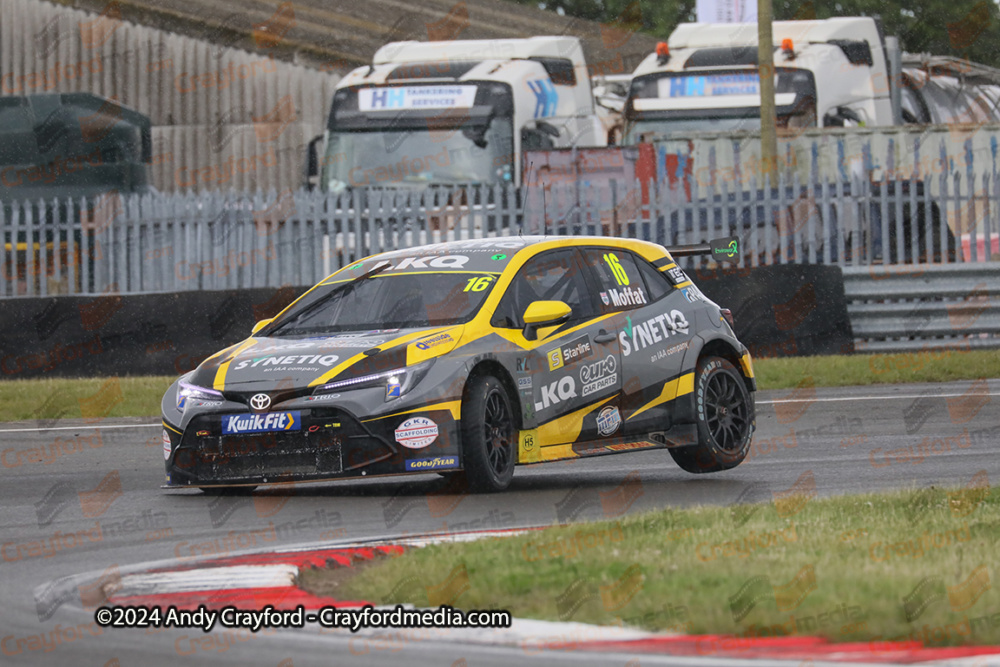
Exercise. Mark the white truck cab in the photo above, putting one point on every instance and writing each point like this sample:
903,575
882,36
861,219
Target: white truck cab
458,112
705,78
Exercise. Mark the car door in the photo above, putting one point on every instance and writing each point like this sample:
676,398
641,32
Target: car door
652,321
569,367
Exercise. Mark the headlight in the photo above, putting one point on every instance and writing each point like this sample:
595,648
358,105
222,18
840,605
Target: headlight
187,391
396,382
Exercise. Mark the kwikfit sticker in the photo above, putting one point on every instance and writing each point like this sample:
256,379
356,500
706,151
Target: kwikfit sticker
262,423
416,433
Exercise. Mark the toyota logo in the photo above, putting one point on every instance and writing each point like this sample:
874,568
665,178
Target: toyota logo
260,402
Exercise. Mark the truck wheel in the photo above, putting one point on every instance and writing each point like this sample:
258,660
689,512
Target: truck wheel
726,419
489,436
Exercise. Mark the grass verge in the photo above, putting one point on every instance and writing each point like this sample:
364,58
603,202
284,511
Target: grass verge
90,398
54,398
905,565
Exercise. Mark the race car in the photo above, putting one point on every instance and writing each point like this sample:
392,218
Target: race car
470,358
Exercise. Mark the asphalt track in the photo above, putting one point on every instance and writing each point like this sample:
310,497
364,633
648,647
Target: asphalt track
93,492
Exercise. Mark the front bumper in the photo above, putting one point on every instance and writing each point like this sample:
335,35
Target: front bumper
331,443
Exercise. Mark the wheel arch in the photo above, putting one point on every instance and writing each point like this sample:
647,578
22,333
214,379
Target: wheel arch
493,367
720,347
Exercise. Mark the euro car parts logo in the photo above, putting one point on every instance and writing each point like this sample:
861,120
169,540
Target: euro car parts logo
597,376
786,597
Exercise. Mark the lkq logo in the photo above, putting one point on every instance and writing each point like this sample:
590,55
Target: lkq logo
570,353
599,375
656,329
556,392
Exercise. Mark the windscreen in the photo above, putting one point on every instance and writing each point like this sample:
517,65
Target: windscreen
413,135
388,301
680,103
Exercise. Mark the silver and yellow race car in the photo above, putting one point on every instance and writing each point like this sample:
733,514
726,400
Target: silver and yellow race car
471,357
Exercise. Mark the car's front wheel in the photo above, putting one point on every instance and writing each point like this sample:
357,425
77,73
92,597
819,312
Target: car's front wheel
489,435
726,419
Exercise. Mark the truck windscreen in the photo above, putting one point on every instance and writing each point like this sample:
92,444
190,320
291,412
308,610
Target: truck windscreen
674,103
400,136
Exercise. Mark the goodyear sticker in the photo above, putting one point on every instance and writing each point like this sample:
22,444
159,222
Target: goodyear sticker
528,449
261,423
416,432
436,463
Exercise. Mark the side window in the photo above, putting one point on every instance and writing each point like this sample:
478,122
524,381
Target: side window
619,281
657,285
552,276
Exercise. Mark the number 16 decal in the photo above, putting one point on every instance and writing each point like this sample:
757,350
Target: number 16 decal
616,268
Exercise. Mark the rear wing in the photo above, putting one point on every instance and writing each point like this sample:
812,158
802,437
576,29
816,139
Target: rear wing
726,249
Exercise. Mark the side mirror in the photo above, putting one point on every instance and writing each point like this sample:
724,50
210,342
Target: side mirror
541,314
839,116
260,325
312,163
548,128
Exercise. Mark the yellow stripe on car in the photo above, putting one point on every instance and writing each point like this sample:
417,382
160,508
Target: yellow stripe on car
455,407
671,390
220,375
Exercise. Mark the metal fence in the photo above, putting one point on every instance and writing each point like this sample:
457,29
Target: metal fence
911,308
172,242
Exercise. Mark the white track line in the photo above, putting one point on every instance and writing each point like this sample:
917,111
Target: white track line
82,427
874,398
838,399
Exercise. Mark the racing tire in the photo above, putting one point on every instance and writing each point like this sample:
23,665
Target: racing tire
726,419
489,435
227,490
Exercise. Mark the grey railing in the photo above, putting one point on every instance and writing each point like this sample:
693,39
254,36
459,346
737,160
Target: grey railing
909,308
154,243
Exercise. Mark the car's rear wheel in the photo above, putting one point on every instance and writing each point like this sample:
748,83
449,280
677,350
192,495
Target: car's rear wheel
489,435
726,419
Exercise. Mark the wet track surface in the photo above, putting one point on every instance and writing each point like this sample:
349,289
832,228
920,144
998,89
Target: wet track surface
85,497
